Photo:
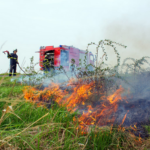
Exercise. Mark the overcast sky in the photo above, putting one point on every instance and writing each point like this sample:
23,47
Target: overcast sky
29,24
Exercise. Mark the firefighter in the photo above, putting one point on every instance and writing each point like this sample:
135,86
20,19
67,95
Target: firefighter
13,61
72,67
52,64
48,65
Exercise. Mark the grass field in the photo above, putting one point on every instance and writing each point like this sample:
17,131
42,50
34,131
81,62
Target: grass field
25,126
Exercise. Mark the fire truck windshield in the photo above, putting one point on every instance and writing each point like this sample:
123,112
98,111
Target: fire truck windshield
64,58
91,57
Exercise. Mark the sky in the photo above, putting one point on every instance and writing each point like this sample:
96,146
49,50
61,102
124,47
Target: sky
29,24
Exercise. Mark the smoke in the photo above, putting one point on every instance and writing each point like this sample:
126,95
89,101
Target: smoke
134,35
137,99
45,80
60,78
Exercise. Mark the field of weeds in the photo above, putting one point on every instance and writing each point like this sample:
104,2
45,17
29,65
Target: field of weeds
81,116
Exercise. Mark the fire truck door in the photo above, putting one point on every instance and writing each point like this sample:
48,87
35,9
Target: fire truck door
57,57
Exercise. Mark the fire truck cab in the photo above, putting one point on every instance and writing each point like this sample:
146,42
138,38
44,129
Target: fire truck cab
63,55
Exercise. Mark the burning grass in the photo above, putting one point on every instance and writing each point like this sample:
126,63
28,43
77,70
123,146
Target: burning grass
95,108
78,99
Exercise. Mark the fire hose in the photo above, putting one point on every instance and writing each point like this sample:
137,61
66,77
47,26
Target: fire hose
6,52
22,70
18,64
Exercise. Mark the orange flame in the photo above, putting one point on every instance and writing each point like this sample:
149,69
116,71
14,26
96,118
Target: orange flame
81,96
124,117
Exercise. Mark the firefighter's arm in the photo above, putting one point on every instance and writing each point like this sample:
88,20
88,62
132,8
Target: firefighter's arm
16,59
8,55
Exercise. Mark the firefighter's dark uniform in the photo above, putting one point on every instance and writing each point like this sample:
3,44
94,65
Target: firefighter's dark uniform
13,61
72,68
48,65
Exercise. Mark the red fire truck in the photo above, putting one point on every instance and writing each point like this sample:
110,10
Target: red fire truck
63,54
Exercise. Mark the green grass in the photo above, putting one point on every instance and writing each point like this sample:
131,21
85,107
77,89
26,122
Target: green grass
8,74
6,88
56,130
39,128
147,128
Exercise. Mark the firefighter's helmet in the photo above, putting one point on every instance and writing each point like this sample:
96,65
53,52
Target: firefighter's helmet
15,50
